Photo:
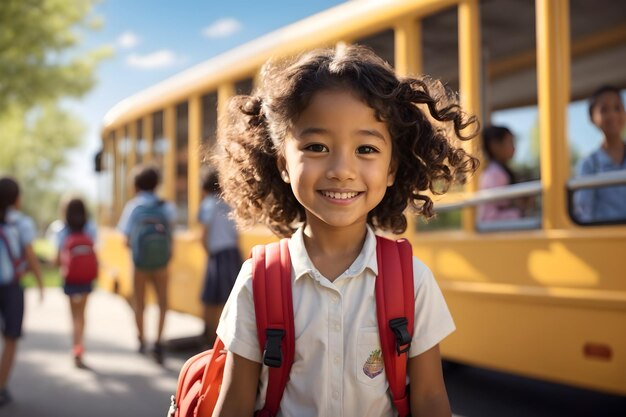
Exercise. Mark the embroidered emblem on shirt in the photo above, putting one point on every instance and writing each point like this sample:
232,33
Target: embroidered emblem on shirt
373,366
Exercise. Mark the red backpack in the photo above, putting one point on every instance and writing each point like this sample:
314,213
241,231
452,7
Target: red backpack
201,376
79,264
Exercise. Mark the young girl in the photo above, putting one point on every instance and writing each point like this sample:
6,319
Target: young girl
221,243
20,232
606,110
76,221
499,147
331,147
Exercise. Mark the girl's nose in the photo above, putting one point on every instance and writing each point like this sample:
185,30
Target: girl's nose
341,167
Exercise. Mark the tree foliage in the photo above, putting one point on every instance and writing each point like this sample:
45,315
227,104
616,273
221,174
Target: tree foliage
35,145
41,63
36,41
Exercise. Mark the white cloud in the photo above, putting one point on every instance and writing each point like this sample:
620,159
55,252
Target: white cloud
159,59
222,28
128,40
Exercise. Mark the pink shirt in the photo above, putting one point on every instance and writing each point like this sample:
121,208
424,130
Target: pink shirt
495,176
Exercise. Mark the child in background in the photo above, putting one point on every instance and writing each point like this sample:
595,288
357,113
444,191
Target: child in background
147,223
606,111
20,232
221,242
331,147
499,148
77,225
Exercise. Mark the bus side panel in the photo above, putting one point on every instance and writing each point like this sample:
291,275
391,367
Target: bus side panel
538,339
186,269
534,302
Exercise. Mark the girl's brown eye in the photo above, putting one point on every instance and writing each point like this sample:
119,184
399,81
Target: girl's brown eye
315,147
366,149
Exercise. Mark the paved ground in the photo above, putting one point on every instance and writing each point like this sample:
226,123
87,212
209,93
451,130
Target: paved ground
121,382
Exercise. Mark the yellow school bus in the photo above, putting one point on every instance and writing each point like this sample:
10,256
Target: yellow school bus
543,296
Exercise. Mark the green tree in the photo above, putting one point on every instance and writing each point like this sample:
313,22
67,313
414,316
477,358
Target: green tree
41,62
36,41
35,148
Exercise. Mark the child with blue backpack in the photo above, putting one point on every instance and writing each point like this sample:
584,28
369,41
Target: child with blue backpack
17,232
147,223
332,146
79,267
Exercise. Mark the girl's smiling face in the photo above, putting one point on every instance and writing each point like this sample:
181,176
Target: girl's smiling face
338,158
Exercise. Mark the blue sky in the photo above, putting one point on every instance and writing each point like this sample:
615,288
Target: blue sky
154,40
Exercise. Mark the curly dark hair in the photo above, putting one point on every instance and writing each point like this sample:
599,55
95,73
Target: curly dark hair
424,151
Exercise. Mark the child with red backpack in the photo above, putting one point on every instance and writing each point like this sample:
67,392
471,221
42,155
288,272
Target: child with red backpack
331,147
78,266
17,232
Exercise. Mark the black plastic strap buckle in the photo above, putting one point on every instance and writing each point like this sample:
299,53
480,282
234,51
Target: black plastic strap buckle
272,355
401,330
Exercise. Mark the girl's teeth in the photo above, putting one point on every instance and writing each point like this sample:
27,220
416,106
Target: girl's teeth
339,196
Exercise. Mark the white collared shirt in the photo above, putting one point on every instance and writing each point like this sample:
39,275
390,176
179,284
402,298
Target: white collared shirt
336,333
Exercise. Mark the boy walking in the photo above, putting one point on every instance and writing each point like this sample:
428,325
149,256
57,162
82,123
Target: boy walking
147,223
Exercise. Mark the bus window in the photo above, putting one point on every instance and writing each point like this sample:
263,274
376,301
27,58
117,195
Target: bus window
159,146
106,189
382,43
440,50
443,220
597,188
209,120
244,87
140,144
122,168
441,47
509,102
182,155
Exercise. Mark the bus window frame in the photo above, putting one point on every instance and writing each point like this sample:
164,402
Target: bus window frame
598,180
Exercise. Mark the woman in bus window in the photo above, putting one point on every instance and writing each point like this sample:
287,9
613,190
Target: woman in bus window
606,110
499,148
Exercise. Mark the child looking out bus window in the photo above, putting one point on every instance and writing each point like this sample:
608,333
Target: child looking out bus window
606,111
499,148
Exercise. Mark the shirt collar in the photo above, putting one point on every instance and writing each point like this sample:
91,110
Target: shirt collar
146,196
12,214
606,162
303,266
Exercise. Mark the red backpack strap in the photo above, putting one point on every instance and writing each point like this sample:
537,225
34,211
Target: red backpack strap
273,306
395,311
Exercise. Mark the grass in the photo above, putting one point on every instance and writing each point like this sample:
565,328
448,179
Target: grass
49,275
45,251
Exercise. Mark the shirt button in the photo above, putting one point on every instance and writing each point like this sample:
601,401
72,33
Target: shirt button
336,395
337,327
334,299
337,359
